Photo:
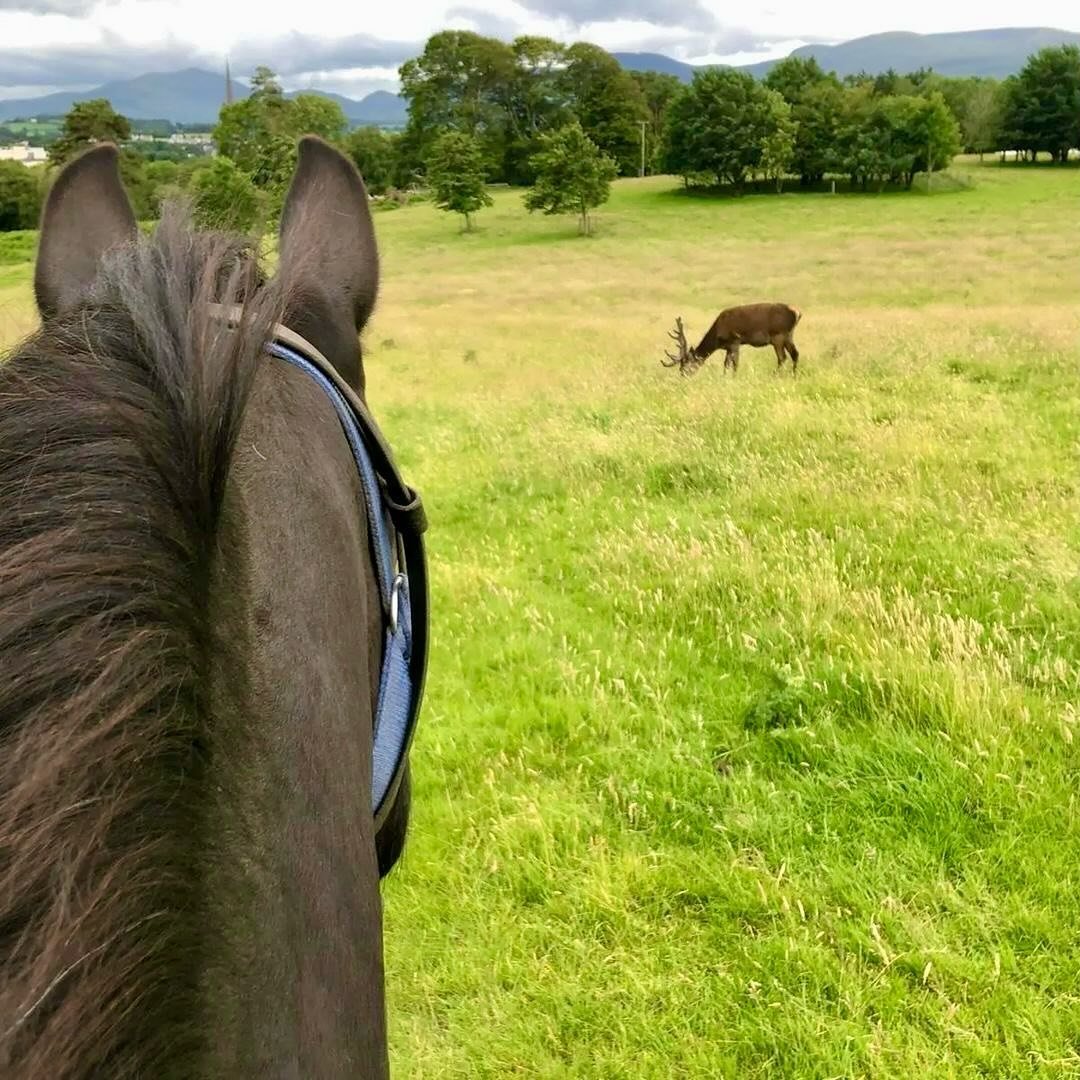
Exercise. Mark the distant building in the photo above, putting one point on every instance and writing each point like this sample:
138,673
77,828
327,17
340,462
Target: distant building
201,141
24,153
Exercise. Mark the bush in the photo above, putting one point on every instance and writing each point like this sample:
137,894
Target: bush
225,198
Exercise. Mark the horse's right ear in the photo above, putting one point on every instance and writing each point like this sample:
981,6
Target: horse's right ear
328,255
87,213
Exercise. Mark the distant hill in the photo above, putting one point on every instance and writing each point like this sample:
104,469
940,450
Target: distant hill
996,53
971,52
380,108
194,96
185,97
191,96
657,62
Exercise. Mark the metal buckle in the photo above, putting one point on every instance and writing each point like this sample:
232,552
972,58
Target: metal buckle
395,601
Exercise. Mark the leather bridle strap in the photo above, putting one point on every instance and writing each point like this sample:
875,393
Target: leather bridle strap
396,524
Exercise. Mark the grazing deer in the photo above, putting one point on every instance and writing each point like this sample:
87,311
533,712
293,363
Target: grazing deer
756,325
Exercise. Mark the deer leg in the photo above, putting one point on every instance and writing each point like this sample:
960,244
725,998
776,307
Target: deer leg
780,354
794,354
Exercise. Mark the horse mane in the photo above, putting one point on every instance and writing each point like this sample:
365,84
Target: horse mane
117,425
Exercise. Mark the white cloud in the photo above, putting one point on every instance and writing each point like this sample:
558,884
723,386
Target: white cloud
361,44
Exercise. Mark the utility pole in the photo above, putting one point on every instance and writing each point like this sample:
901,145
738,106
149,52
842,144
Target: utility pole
644,125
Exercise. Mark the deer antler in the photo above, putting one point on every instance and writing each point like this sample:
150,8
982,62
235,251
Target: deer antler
678,335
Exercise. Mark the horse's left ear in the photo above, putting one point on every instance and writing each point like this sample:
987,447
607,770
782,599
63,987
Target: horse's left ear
87,213
328,259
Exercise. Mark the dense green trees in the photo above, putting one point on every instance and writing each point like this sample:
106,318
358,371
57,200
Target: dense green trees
376,154
259,133
20,197
1041,112
659,91
794,78
87,123
509,96
727,127
536,100
225,197
607,102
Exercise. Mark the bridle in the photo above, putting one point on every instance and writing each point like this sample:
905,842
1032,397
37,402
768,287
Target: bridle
396,524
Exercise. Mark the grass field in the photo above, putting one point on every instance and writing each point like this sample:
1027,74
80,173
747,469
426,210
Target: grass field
752,735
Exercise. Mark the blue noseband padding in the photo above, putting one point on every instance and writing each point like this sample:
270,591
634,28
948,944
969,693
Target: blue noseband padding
394,708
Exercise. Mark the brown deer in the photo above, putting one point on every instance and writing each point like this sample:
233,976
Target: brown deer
756,325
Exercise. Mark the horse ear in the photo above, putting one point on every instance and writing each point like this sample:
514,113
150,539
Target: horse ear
87,213
328,259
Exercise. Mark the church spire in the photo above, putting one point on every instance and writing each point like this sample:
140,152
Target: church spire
228,84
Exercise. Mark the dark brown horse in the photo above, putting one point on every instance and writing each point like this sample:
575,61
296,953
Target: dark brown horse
191,636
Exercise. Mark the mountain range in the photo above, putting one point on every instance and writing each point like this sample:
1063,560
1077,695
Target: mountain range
191,96
194,96
996,53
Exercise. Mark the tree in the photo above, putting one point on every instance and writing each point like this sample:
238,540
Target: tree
981,120
243,131
937,136
137,184
778,144
536,101
374,152
659,91
975,102
718,126
1042,110
1013,135
313,114
891,84
264,84
20,197
458,83
859,139
162,180
573,175
87,123
456,173
890,139
608,103
260,133
818,118
224,197
899,121
794,77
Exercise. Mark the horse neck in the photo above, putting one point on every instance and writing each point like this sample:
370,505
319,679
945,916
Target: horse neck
296,884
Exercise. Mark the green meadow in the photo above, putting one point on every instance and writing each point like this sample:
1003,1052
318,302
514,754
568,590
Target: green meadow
751,744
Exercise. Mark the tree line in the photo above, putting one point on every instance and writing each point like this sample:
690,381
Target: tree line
520,112
725,126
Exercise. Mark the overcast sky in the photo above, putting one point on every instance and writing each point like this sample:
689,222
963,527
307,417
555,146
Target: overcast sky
356,46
